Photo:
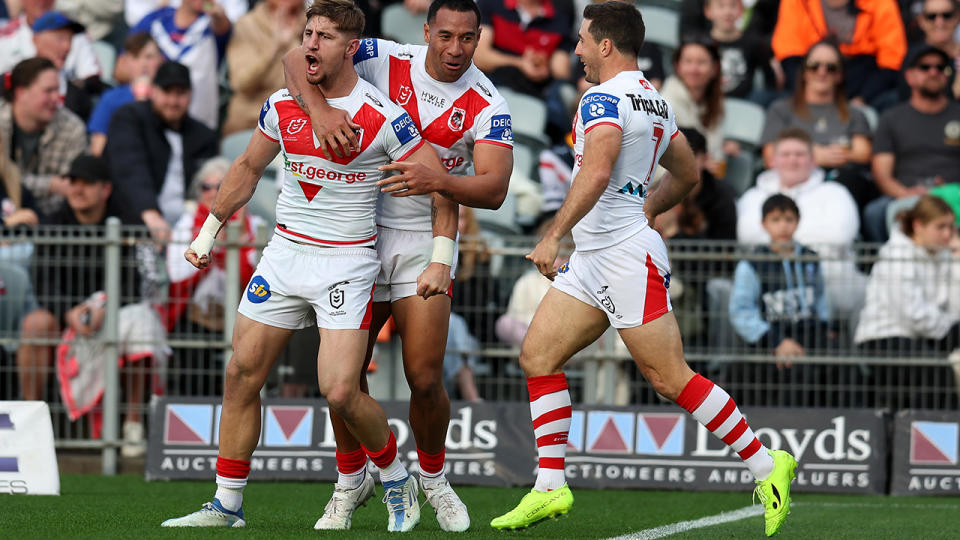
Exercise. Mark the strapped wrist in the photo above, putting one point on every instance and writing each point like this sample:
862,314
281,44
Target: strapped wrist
443,250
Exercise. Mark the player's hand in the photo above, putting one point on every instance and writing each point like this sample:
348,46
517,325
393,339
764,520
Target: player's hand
434,280
544,256
159,228
334,129
534,65
414,179
200,262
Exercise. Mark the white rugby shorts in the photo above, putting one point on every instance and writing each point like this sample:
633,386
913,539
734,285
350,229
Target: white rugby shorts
404,255
627,281
297,284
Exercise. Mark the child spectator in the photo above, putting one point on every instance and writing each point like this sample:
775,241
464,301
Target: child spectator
778,301
741,54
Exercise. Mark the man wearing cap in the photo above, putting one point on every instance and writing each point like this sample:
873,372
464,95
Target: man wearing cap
154,148
71,286
917,143
17,41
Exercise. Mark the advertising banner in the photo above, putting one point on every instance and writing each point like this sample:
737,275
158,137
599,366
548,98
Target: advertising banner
925,453
840,451
28,459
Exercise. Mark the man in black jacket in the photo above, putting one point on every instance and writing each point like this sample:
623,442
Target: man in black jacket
154,149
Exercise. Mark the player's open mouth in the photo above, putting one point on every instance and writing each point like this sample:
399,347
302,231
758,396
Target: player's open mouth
452,66
313,65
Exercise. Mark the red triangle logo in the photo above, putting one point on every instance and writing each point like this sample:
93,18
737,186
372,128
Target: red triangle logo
309,190
289,419
610,439
660,428
179,432
924,451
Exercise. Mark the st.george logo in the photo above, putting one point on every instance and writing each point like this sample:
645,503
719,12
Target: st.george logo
259,290
455,123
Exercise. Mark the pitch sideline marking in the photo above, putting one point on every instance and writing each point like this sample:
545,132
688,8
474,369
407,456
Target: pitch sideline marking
682,526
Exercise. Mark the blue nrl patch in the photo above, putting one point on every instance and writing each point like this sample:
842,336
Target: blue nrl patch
259,290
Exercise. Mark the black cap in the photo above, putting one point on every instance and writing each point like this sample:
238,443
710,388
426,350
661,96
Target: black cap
89,168
915,54
172,74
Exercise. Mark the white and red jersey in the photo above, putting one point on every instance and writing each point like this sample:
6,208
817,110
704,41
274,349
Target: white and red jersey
631,104
333,202
451,116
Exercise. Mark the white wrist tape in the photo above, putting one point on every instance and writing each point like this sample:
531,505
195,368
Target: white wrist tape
203,243
443,249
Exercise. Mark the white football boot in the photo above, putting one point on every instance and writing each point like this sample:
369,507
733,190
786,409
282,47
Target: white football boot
403,509
451,512
212,514
338,514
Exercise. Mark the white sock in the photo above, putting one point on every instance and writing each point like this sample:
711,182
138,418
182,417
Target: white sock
393,472
230,492
432,480
352,480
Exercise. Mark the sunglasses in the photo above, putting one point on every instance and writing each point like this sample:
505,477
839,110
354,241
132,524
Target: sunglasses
209,187
942,68
829,66
945,15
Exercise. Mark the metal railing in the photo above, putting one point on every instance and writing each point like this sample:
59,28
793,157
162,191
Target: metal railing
834,372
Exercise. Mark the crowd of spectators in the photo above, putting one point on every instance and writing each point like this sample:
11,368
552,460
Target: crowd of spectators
860,121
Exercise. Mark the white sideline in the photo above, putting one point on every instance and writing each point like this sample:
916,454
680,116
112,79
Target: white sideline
681,526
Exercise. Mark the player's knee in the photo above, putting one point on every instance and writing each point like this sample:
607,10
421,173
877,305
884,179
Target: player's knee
533,364
663,385
340,396
39,323
241,376
425,383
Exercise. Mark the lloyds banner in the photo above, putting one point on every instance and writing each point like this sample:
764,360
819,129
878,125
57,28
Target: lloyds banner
840,451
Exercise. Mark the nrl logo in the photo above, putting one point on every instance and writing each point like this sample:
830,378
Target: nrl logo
455,123
404,95
296,125
336,298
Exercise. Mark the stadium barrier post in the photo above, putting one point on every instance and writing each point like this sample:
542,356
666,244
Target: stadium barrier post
111,392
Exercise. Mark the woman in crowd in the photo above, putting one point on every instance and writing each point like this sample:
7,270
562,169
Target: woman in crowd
840,132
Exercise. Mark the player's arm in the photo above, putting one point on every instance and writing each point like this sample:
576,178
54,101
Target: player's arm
492,164
235,191
601,148
334,127
673,187
444,215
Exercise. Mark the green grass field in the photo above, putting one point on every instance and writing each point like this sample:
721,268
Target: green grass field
128,507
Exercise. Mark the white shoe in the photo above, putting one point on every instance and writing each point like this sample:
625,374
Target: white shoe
212,514
451,512
338,513
403,509
132,440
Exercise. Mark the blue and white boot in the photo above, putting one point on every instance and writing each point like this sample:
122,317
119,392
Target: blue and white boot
212,514
403,508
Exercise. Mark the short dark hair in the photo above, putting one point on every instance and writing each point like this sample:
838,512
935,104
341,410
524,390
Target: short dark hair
348,17
452,5
136,42
24,74
779,202
795,133
696,140
619,22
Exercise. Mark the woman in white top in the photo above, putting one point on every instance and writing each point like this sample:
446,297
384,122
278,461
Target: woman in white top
913,296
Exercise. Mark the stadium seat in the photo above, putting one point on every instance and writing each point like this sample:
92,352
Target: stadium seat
662,26
743,121
399,24
897,206
107,58
529,115
525,161
741,171
234,144
870,113
502,220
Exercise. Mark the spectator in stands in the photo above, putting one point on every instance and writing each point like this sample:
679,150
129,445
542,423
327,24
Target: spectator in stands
17,43
155,148
525,45
779,303
695,92
829,220
143,60
194,34
200,292
135,10
742,55
913,302
871,38
938,21
99,17
761,16
259,41
40,137
476,293
556,174
917,144
458,366
840,132
17,206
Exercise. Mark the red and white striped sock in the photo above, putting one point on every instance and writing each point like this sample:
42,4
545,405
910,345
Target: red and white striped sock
715,409
232,477
391,469
550,410
350,468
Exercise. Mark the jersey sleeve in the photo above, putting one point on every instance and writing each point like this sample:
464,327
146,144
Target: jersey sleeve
372,56
600,108
269,122
493,125
400,136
